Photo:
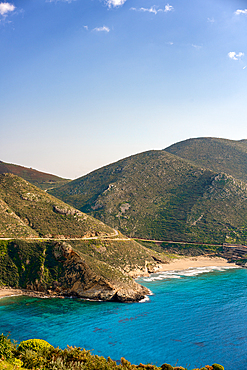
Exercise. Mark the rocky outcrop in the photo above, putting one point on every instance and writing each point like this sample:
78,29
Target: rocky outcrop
66,212
58,269
79,280
235,253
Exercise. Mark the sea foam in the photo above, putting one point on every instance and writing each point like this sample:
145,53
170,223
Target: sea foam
190,272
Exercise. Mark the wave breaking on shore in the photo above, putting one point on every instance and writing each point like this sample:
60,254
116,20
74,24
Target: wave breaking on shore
189,272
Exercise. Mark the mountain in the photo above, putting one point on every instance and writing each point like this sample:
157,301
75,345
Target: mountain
158,195
218,155
37,178
48,246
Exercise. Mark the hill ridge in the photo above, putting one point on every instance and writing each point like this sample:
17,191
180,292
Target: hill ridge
41,179
216,154
159,195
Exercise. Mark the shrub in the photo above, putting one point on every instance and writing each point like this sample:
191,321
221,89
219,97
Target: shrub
6,347
217,367
35,345
126,364
31,359
33,352
166,367
17,363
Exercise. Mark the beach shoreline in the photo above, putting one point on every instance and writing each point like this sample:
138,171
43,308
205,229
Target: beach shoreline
9,292
6,292
185,263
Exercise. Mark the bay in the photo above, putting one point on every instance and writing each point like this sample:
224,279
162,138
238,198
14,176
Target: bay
194,317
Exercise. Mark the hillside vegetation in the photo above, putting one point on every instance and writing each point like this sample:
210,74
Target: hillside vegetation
23,262
39,354
95,261
158,195
27,211
218,155
89,269
37,178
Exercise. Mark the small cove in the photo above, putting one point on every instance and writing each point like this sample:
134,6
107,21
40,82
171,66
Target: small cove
194,317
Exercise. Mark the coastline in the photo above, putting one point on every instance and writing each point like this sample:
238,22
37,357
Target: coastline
177,264
6,292
185,263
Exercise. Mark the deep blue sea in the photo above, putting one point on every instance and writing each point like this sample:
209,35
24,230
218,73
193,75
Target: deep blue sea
195,317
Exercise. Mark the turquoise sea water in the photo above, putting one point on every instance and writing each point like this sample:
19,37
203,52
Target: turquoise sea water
194,317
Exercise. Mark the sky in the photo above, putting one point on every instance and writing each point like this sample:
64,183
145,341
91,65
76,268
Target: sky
84,83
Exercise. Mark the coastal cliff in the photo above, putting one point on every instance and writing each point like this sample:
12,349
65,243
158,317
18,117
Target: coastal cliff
80,280
51,248
55,269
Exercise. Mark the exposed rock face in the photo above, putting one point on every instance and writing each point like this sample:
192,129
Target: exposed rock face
137,293
79,280
66,212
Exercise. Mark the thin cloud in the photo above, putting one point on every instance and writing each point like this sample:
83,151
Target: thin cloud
154,9
244,67
239,11
102,29
235,56
114,3
150,10
211,20
5,8
86,27
196,46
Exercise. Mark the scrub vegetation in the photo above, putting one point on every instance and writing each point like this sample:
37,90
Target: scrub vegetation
161,196
218,155
39,265
27,211
38,354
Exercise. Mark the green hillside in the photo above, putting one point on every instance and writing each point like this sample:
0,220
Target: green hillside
27,211
40,179
92,261
89,269
219,155
157,195
42,262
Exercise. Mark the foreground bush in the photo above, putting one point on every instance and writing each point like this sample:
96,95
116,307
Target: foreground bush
34,345
39,354
7,348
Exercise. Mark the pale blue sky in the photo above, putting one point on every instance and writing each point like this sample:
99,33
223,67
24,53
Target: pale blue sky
87,82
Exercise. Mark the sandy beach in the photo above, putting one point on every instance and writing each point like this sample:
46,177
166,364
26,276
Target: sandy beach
8,292
191,262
